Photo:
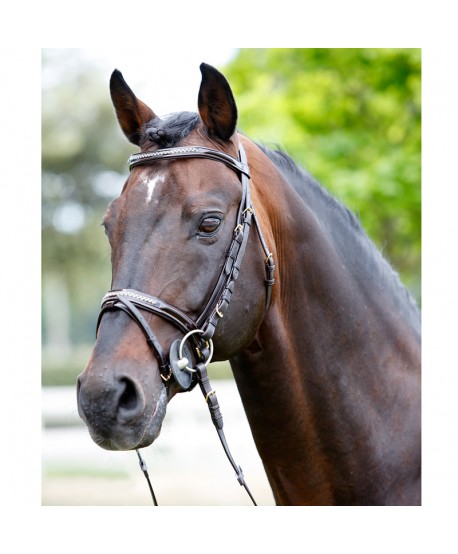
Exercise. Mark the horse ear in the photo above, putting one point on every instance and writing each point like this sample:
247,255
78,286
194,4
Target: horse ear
131,112
217,107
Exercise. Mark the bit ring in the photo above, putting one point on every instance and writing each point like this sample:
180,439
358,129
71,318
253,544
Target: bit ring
185,338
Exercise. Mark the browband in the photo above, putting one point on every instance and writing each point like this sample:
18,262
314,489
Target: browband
188,152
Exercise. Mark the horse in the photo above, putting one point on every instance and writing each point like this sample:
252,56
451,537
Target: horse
322,337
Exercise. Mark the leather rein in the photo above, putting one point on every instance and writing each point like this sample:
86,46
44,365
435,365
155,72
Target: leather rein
186,364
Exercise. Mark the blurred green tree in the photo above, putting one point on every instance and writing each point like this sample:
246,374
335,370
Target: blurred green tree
83,158
352,117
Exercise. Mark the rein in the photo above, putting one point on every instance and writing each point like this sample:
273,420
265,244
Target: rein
186,364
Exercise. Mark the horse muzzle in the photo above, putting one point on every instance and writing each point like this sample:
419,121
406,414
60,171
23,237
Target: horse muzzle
119,413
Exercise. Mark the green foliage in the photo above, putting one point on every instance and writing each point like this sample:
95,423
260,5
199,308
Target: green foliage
352,117
82,150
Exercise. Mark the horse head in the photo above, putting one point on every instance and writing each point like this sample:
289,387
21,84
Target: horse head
170,231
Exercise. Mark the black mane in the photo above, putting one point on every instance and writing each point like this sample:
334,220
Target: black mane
304,183
169,130
360,251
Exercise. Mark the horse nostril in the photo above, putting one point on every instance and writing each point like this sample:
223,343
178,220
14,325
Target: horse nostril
82,399
130,401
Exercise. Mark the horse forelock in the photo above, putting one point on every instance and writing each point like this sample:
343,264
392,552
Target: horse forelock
167,131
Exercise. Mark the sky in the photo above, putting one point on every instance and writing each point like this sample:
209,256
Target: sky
167,83
169,79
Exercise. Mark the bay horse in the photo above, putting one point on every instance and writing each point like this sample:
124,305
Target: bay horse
326,360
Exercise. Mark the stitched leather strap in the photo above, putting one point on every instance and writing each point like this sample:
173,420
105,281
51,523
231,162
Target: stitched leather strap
217,419
153,305
121,302
188,152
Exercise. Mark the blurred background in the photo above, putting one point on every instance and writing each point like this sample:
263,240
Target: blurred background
352,117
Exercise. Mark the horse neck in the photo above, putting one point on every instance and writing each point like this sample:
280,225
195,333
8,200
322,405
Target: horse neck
335,318
326,265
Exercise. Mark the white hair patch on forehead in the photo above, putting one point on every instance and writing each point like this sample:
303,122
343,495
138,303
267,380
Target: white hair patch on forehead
150,184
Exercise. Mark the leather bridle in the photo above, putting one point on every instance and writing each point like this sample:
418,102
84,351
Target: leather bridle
202,330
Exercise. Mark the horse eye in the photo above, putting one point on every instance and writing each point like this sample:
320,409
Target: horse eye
209,225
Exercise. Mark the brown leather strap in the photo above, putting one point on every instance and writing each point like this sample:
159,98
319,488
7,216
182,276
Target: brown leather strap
153,305
188,152
123,303
217,419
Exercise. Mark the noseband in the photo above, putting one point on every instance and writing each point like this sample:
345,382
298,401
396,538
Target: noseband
202,330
